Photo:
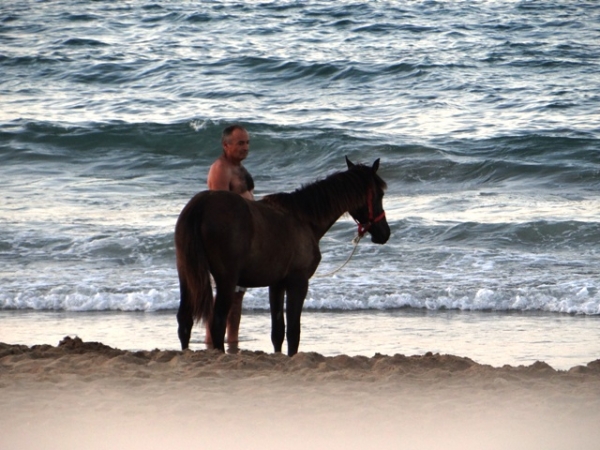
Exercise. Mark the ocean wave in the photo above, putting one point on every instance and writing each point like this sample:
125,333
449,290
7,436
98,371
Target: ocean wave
531,235
540,160
300,152
92,242
90,299
569,299
289,70
71,141
80,42
584,301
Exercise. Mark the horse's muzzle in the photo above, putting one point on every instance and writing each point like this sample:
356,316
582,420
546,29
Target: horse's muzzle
380,232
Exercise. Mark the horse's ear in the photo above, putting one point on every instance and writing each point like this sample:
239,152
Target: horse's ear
349,163
376,165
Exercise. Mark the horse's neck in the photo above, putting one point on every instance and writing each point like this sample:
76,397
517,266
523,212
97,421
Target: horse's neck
323,222
322,203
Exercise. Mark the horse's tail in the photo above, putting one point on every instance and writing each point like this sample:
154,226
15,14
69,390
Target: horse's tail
192,264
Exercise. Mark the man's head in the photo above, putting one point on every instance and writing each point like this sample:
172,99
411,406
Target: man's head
236,143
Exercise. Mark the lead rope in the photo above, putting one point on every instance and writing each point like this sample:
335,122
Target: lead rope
355,241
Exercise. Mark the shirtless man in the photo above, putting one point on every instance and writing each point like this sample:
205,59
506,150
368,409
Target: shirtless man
228,174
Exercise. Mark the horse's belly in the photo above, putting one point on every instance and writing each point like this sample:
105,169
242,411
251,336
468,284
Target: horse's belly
261,272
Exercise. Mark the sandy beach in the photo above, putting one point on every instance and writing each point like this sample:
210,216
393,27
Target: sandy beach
86,394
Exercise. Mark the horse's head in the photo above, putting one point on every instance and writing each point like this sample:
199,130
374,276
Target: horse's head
370,217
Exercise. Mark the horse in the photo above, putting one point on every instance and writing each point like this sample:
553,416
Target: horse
271,242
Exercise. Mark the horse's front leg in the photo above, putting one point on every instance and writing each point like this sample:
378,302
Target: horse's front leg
296,290
218,325
276,295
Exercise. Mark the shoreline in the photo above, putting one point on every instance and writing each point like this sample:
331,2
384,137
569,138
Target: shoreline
494,338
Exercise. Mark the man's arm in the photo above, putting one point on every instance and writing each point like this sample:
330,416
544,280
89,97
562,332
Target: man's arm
219,177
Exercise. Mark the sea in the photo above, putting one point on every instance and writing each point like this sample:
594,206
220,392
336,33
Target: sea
485,115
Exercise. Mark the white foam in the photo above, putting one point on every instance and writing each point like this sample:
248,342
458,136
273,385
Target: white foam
339,294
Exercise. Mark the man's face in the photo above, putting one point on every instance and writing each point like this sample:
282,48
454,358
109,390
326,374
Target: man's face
237,146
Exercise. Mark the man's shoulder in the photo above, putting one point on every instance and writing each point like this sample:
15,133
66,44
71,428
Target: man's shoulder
223,162
220,175
220,165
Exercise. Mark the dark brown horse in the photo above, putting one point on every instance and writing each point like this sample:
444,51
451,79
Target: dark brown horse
272,242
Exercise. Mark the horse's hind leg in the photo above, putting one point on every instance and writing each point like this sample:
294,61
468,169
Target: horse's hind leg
185,319
223,301
296,291
276,295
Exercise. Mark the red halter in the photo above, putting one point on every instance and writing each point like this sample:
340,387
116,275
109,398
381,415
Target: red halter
362,229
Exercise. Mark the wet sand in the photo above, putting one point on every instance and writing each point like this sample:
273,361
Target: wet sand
85,394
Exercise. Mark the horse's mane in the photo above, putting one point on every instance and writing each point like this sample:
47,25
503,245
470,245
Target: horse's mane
339,192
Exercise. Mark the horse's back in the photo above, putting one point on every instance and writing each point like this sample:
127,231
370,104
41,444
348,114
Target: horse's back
221,220
214,209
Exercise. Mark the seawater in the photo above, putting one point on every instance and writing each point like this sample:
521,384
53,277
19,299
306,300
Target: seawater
484,115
